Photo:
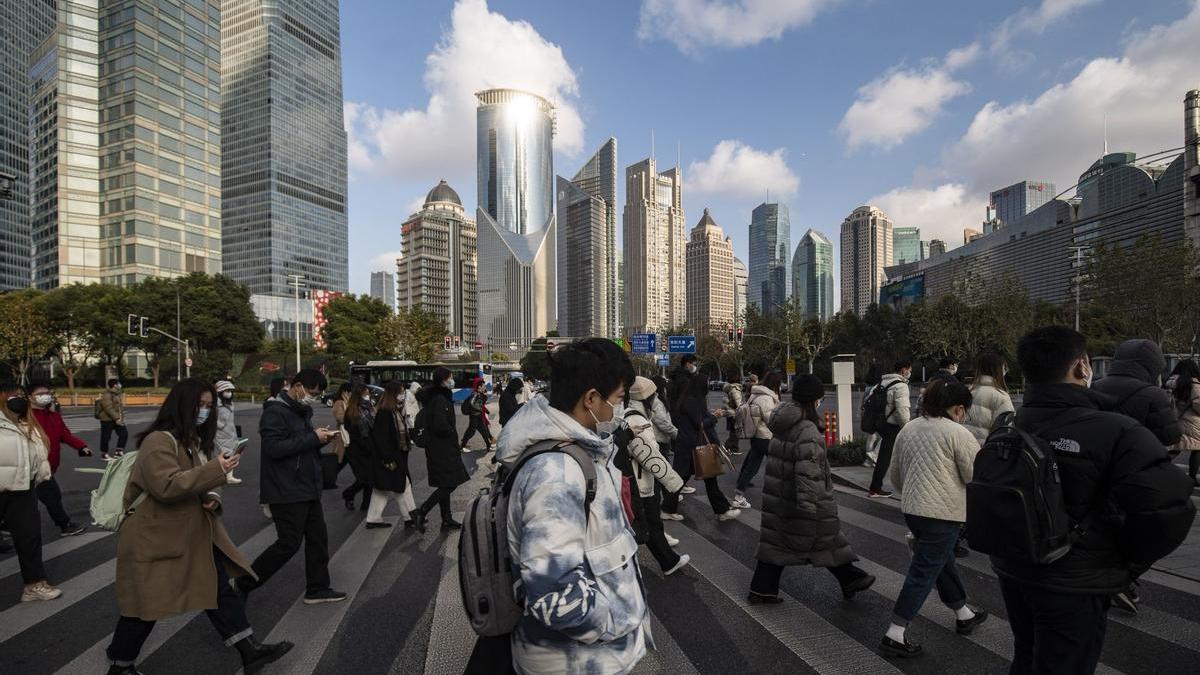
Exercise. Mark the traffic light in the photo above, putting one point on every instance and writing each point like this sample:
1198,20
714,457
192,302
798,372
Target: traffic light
144,326
730,335
133,324
446,343
457,341
741,334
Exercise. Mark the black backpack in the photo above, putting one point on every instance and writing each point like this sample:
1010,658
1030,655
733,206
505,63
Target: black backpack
417,433
873,412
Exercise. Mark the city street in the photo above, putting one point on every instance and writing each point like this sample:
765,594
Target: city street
404,613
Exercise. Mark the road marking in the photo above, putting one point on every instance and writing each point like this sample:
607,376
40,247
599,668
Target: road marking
449,618
55,549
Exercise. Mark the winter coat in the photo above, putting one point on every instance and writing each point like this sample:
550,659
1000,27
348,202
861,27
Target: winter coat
290,469
339,417
733,397
697,426
899,401
987,404
57,433
360,452
1132,387
508,405
165,547
762,402
648,462
411,407
943,375
799,515
1189,417
226,438
932,463
389,447
664,429
443,454
476,403
112,408
23,458
1113,466
585,602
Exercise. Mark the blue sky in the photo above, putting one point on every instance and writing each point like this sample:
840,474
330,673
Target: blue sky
918,107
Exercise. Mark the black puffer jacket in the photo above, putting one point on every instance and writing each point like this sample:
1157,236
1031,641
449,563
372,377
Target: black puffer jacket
443,455
799,516
1108,459
1132,387
290,471
389,448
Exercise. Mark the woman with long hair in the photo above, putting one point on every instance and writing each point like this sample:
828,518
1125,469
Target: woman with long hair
24,464
339,417
389,460
1184,385
653,474
173,554
697,426
762,400
989,395
358,420
443,455
509,399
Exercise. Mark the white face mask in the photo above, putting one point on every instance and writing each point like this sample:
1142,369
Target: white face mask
606,429
202,416
1088,376
43,400
692,368
227,395
449,384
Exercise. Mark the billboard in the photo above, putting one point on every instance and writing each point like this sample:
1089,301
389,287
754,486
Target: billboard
901,294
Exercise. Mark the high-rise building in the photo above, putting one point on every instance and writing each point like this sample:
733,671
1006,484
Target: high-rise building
515,216
812,275
906,245
438,267
770,253
866,250
970,234
710,278
383,288
284,163
23,26
1191,156
936,247
1014,202
741,281
655,248
587,247
127,145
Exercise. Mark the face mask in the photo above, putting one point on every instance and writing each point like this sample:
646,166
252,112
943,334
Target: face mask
18,405
606,429
117,387
1088,376
202,416
43,400
449,384
400,400
227,395
692,368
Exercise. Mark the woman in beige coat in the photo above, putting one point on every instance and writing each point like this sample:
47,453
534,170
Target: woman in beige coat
1184,386
989,396
173,554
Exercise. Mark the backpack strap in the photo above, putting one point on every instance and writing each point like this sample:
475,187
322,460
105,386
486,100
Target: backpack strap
887,415
1129,397
566,447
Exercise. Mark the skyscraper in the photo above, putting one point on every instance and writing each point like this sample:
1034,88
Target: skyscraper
906,245
812,275
383,288
438,268
740,282
970,234
1015,201
587,230
655,248
936,247
515,172
710,278
770,251
866,250
284,162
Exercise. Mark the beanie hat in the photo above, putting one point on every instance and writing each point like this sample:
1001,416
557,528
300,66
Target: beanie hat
224,386
807,388
642,388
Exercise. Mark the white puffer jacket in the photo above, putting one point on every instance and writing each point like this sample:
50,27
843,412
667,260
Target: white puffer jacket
762,403
987,403
899,400
932,463
23,458
649,464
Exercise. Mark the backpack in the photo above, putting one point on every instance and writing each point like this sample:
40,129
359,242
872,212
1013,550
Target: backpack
466,408
96,408
873,412
107,507
417,433
1015,505
485,570
744,425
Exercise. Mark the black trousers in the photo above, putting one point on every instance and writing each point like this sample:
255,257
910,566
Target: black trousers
19,513
360,466
106,429
887,442
49,494
1054,633
475,423
229,618
296,523
753,462
656,538
766,576
440,498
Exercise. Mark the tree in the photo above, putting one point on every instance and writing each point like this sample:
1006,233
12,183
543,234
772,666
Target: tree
155,300
217,315
25,333
69,310
813,339
412,333
536,362
1149,289
107,331
352,325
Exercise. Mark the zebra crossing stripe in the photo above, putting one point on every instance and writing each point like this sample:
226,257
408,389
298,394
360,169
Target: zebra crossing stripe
54,549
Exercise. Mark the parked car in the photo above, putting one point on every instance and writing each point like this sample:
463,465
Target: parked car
716,385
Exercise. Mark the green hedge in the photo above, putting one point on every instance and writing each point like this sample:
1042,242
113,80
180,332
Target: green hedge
848,453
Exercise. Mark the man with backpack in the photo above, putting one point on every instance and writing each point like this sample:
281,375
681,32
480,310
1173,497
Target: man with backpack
110,410
475,408
885,411
1108,477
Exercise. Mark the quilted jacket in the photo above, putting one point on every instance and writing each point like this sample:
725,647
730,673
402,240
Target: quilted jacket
762,402
648,462
932,463
1189,417
899,401
987,404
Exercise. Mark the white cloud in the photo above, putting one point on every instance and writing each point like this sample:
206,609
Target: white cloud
693,25
1035,20
941,212
480,49
736,169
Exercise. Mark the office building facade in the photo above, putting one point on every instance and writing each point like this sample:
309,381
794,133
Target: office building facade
907,245
770,254
1012,203
710,278
741,281
655,273
587,223
936,247
812,276
284,162
383,288
437,270
866,251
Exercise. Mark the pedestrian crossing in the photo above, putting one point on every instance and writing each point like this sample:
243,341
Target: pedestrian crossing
404,612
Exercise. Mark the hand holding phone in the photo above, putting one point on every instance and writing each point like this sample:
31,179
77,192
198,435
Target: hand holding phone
239,448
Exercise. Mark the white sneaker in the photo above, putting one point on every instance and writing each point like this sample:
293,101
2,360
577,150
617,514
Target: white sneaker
671,516
687,490
40,591
740,502
683,561
232,480
671,541
731,514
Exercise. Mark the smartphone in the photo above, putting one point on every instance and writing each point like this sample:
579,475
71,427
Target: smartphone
239,448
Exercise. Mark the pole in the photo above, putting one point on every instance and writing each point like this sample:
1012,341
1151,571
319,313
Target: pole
178,365
294,280
1079,250
187,348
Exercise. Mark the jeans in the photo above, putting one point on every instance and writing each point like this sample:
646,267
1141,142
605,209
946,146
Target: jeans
656,538
50,495
300,521
19,513
932,565
887,441
380,498
754,460
229,618
1054,632
106,429
475,423
440,498
767,575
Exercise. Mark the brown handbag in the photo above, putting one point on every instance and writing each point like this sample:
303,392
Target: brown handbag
709,460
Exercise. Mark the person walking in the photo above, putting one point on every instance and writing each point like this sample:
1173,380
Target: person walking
442,455
226,438
411,406
933,462
41,398
290,484
112,418
762,400
899,411
697,426
475,408
509,405
947,371
1184,386
24,464
870,381
358,421
989,396
389,458
339,418
733,400
800,524
1132,387
173,554
653,473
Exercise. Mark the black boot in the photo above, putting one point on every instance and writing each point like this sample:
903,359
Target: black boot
130,669
256,655
418,519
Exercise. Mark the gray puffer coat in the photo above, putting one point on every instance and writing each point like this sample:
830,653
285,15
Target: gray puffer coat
800,523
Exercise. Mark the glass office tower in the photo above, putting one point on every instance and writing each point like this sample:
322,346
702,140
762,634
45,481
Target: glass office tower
812,275
770,248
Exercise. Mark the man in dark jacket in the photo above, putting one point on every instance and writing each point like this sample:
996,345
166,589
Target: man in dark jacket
1119,484
947,371
1132,384
474,409
290,484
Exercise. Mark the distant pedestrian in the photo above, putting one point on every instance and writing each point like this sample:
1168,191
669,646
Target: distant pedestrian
389,458
41,396
989,396
870,381
227,436
697,426
733,400
358,422
653,475
475,408
1132,388
509,403
1184,386
442,449
947,371
112,418
411,406
762,399
898,412
339,418
277,385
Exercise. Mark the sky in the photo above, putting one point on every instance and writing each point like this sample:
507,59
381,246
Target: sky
919,108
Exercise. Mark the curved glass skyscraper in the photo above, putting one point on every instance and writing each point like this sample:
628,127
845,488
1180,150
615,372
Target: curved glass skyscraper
812,275
770,247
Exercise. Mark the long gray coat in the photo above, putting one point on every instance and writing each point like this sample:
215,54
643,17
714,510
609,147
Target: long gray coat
800,524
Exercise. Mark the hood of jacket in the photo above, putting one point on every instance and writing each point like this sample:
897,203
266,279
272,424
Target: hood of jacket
890,378
426,394
1142,359
785,421
759,389
537,421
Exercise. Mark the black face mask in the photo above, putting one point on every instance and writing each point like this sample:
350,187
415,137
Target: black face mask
18,405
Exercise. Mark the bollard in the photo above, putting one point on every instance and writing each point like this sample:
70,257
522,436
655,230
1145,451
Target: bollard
830,436
833,428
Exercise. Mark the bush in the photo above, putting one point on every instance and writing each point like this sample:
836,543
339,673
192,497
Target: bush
848,453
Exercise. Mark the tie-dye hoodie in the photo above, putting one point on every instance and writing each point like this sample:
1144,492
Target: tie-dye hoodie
585,606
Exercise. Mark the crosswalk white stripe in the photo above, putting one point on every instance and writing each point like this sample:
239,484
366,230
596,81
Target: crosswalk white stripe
55,549
25,615
667,657
451,656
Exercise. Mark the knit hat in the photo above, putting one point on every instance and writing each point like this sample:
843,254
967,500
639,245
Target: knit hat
642,388
224,386
807,388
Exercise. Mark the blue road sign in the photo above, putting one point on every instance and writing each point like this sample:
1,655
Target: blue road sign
664,360
643,343
681,344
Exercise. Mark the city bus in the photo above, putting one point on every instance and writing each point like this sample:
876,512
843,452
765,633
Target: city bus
379,373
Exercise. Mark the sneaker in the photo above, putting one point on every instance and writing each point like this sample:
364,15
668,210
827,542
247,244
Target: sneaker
40,591
119,452
671,541
740,502
683,562
1123,601
107,457
760,599
231,480
670,516
71,529
730,514
323,596
374,526
687,490
890,647
418,519
882,494
968,626
451,524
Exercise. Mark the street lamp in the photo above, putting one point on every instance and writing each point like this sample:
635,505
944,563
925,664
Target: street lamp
1079,252
294,280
